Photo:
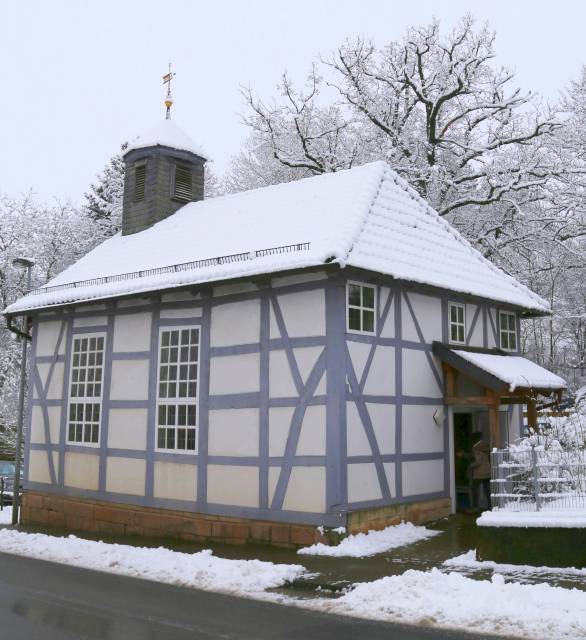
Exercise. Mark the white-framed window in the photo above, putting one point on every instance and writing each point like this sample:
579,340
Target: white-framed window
508,330
85,389
360,305
457,323
177,389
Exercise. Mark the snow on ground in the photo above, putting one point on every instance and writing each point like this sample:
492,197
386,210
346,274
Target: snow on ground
6,516
572,519
361,545
468,561
451,600
196,570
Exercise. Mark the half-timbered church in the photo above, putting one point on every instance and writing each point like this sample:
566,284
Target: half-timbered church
252,366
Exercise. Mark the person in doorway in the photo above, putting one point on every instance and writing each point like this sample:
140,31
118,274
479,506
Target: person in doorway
480,471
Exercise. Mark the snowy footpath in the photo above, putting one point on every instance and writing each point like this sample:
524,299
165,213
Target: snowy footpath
436,598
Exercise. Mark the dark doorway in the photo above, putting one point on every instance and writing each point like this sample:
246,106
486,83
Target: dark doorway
463,428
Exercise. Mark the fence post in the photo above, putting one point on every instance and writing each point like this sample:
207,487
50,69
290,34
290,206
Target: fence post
535,477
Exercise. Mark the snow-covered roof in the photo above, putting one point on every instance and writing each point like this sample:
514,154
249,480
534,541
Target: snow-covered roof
166,133
366,217
515,371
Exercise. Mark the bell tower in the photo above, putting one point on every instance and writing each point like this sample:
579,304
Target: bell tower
164,170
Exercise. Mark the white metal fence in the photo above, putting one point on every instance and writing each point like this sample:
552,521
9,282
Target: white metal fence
538,479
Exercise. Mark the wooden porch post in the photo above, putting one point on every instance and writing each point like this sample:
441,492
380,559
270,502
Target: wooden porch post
493,420
532,414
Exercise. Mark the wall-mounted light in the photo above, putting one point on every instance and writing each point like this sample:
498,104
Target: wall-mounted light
439,416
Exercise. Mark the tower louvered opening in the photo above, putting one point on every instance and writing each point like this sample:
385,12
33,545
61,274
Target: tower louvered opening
183,184
139,182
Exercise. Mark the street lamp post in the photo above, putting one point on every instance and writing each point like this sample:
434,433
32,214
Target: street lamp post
27,264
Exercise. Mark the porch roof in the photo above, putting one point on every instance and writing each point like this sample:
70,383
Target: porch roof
498,370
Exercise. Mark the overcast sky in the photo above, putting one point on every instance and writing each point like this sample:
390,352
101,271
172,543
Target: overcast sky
78,77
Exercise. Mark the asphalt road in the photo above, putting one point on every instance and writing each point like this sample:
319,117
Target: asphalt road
45,601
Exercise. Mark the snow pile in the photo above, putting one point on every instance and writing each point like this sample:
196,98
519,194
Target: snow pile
361,545
198,570
548,517
468,561
514,370
366,217
6,516
454,601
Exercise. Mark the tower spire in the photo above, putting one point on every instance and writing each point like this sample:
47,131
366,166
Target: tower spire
169,99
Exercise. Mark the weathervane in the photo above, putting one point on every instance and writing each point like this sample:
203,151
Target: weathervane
169,99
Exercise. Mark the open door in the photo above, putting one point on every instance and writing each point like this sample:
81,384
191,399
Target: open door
463,428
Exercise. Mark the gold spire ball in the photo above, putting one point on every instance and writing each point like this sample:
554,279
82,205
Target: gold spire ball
168,99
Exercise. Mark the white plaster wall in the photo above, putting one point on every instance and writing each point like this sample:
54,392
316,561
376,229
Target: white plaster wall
281,383
492,343
476,337
90,321
133,302
178,296
418,377
381,377
420,433
235,323
175,481
312,438
84,308
428,312
236,287
130,380
234,374
358,355
515,422
306,357
389,468
37,434
81,470
306,490
132,332
233,485
55,390
38,466
298,278
47,336
304,313
233,432
363,483
127,429
388,329
274,473
382,417
279,424
424,476
356,441
125,475
181,312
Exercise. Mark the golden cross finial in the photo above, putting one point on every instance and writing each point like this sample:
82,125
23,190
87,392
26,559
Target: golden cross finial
168,100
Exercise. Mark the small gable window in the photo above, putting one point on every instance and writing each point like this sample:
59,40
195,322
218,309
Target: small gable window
457,323
360,304
183,183
139,182
508,330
